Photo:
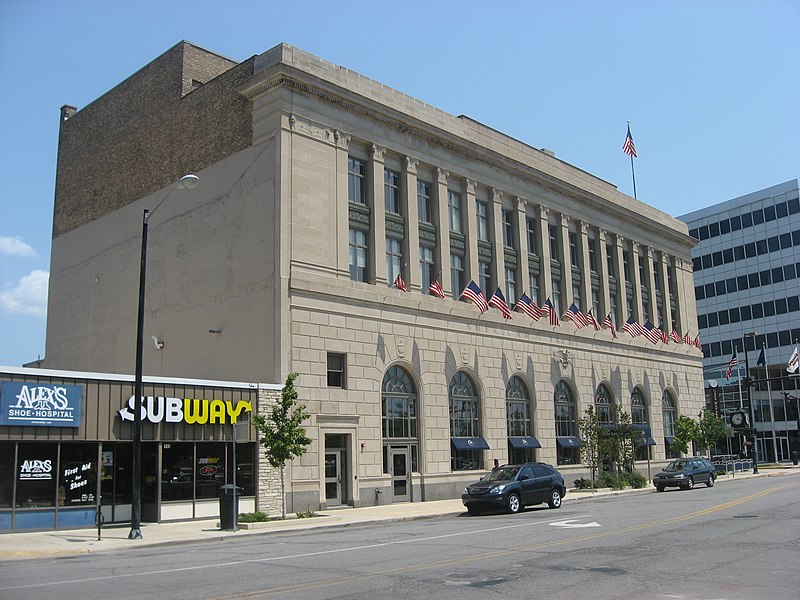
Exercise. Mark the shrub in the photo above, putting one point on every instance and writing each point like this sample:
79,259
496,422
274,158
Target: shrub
254,517
308,514
612,480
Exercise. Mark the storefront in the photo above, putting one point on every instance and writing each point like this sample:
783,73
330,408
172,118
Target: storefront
66,448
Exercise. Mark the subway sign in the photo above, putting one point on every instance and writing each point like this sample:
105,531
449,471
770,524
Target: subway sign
192,411
33,404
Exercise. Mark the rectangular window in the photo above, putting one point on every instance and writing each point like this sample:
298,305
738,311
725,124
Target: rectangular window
534,283
457,274
336,370
358,255
557,295
508,228
769,213
485,276
531,228
552,232
356,181
511,286
612,271
424,207
713,230
391,191
394,260
427,272
482,214
736,223
626,265
724,227
454,210
758,216
747,220
592,254
781,210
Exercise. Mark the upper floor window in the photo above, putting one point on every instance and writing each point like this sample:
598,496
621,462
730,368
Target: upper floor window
593,254
612,267
454,210
573,249
358,255
511,286
534,283
602,405
336,369
427,268
482,214
626,264
394,260
391,191
457,274
356,180
530,224
424,204
485,276
552,232
508,228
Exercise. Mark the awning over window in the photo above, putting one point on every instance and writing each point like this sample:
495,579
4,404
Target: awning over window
475,443
669,439
521,443
645,429
569,442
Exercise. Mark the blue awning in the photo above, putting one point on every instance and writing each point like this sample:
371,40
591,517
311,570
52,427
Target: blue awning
474,443
569,442
646,432
669,439
524,442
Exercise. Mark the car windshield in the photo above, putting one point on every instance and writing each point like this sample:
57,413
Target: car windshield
501,474
677,465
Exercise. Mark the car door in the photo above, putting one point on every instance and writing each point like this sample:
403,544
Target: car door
542,478
699,472
527,485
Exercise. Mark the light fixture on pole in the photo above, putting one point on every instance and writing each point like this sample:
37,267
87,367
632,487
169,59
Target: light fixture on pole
187,182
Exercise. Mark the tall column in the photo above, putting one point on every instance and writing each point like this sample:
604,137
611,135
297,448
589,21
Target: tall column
585,267
377,230
665,290
471,233
521,234
498,252
566,265
602,271
342,207
637,284
545,270
622,296
443,231
651,284
411,210
684,292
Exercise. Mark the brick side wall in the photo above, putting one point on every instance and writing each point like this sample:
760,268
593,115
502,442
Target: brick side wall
268,497
179,114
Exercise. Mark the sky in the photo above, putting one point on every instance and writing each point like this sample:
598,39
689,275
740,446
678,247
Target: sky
711,89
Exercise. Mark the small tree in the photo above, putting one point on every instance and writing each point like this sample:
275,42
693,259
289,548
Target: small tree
686,431
704,433
590,431
281,432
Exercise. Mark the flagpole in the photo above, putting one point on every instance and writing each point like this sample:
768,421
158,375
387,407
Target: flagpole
769,398
633,172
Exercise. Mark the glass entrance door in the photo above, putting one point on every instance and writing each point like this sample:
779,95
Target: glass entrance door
333,477
401,474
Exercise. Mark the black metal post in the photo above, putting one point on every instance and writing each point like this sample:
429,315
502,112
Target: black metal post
136,487
750,402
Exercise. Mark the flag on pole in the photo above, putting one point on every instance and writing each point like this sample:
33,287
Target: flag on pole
435,288
528,306
733,362
550,311
399,283
687,339
575,315
498,301
633,327
663,333
696,343
762,360
675,336
651,332
609,324
594,322
794,362
628,147
474,294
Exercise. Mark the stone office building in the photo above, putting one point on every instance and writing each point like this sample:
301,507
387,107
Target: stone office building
318,187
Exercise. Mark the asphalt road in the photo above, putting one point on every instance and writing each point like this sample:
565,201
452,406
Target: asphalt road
737,540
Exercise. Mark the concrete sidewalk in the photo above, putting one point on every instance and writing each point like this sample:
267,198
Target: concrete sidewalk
65,542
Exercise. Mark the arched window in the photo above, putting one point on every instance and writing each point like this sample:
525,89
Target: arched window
465,431
399,411
603,401
521,442
568,442
668,411
640,421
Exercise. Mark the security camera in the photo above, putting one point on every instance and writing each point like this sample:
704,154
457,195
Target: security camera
157,343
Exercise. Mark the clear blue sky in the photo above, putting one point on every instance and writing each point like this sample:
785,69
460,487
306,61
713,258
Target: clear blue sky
712,90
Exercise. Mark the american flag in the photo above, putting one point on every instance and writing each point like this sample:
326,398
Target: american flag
575,315
550,311
399,283
628,147
435,288
663,333
633,327
651,332
733,362
529,307
590,318
609,323
498,301
687,339
696,343
473,293
675,336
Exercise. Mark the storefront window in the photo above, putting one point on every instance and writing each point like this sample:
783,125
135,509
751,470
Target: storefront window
177,473
77,483
116,476
6,473
245,472
209,469
36,474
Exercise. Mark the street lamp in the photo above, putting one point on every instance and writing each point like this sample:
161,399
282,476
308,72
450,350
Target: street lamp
187,182
751,334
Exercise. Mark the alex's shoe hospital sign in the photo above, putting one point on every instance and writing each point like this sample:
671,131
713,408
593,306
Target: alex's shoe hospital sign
185,410
34,404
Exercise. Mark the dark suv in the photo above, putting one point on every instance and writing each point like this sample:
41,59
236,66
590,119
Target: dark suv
513,487
685,473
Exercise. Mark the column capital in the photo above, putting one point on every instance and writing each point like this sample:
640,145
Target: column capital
411,165
544,212
442,175
378,153
342,139
471,185
521,203
584,227
601,234
564,220
497,195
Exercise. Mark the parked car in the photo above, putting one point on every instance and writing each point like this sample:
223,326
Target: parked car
513,487
685,473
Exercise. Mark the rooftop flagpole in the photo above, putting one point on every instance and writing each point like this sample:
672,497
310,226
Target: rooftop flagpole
630,149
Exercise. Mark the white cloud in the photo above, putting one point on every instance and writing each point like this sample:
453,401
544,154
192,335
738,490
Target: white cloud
29,296
15,246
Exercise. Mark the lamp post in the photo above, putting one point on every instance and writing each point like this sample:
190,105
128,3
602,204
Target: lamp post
187,182
751,334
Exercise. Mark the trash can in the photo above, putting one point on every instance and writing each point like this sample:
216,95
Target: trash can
228,506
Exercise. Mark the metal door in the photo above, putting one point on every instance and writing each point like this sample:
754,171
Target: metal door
400,460
333,477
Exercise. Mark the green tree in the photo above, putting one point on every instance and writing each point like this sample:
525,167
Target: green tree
704,433
590,432
281,432
686,431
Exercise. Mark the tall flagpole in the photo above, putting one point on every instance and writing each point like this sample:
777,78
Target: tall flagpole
633,175
769,400
630,149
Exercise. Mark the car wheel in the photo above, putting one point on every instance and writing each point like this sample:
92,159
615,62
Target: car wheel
659,488
689,483
473,510
710,482
555,499
513,505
